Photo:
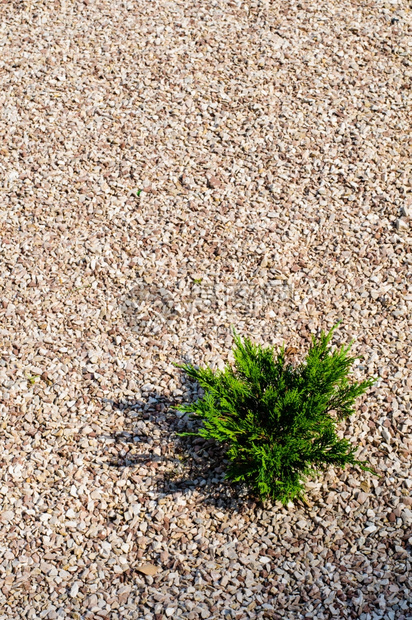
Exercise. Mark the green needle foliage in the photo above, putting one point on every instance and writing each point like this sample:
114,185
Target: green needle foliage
278,421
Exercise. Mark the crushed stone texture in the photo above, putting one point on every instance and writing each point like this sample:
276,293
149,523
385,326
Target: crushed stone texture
169,169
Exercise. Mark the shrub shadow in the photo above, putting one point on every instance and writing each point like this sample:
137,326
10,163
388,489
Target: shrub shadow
193,463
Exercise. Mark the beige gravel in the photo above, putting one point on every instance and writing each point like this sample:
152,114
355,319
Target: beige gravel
272,142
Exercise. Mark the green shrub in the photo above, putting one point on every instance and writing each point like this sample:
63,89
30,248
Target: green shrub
278,421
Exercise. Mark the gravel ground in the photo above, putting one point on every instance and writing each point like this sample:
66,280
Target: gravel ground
272,142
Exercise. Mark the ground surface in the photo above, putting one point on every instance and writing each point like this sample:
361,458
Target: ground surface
272,141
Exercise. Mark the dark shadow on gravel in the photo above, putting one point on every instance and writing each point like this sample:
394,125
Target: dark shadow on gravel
193,462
